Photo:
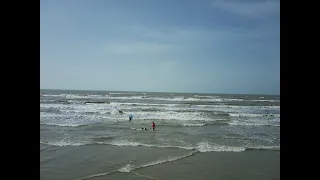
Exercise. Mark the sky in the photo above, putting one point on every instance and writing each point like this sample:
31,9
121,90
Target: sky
204,46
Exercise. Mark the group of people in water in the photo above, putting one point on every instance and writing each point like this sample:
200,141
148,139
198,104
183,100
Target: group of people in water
153,124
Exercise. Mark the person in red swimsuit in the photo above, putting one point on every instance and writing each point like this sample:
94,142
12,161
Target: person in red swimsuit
153,125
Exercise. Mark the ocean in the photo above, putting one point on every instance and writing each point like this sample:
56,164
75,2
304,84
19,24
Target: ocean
88,135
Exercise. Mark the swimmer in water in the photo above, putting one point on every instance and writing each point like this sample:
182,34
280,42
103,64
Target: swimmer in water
153,125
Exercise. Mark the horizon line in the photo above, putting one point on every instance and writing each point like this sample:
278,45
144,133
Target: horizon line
161,92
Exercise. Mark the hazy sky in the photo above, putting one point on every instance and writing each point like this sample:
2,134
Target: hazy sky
218,46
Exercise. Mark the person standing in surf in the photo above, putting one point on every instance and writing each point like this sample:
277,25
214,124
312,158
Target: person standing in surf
153,125
130,117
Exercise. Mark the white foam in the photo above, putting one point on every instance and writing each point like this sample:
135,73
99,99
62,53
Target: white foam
46,101
264,147
245,124
253,115
126,143
256,122
122,93
69,120
74,96
201,147
127,168
233,99
103,108
225,108
78,96
52,95
81,108
132,143
140,104
177,98
265,100
79,114
63,125
75,102
200,124
134,96
164,160
212,97
62,143
209,147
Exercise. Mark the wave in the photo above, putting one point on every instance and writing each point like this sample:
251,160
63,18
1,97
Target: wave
272,148
63,143
75,118
200,147
77,96
177,98
253,115
141,96
233,99
51,101
62,124
242,110
251,124
50,95
266,100
209,147
142,104
252,111
116,93
70,121
206,97
129,167
89,120
195,125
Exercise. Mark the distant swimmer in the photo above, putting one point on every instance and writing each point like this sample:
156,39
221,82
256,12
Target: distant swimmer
153,125
144,129
130,117
121,112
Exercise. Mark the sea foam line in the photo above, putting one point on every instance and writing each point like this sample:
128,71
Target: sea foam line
200,147
129,167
